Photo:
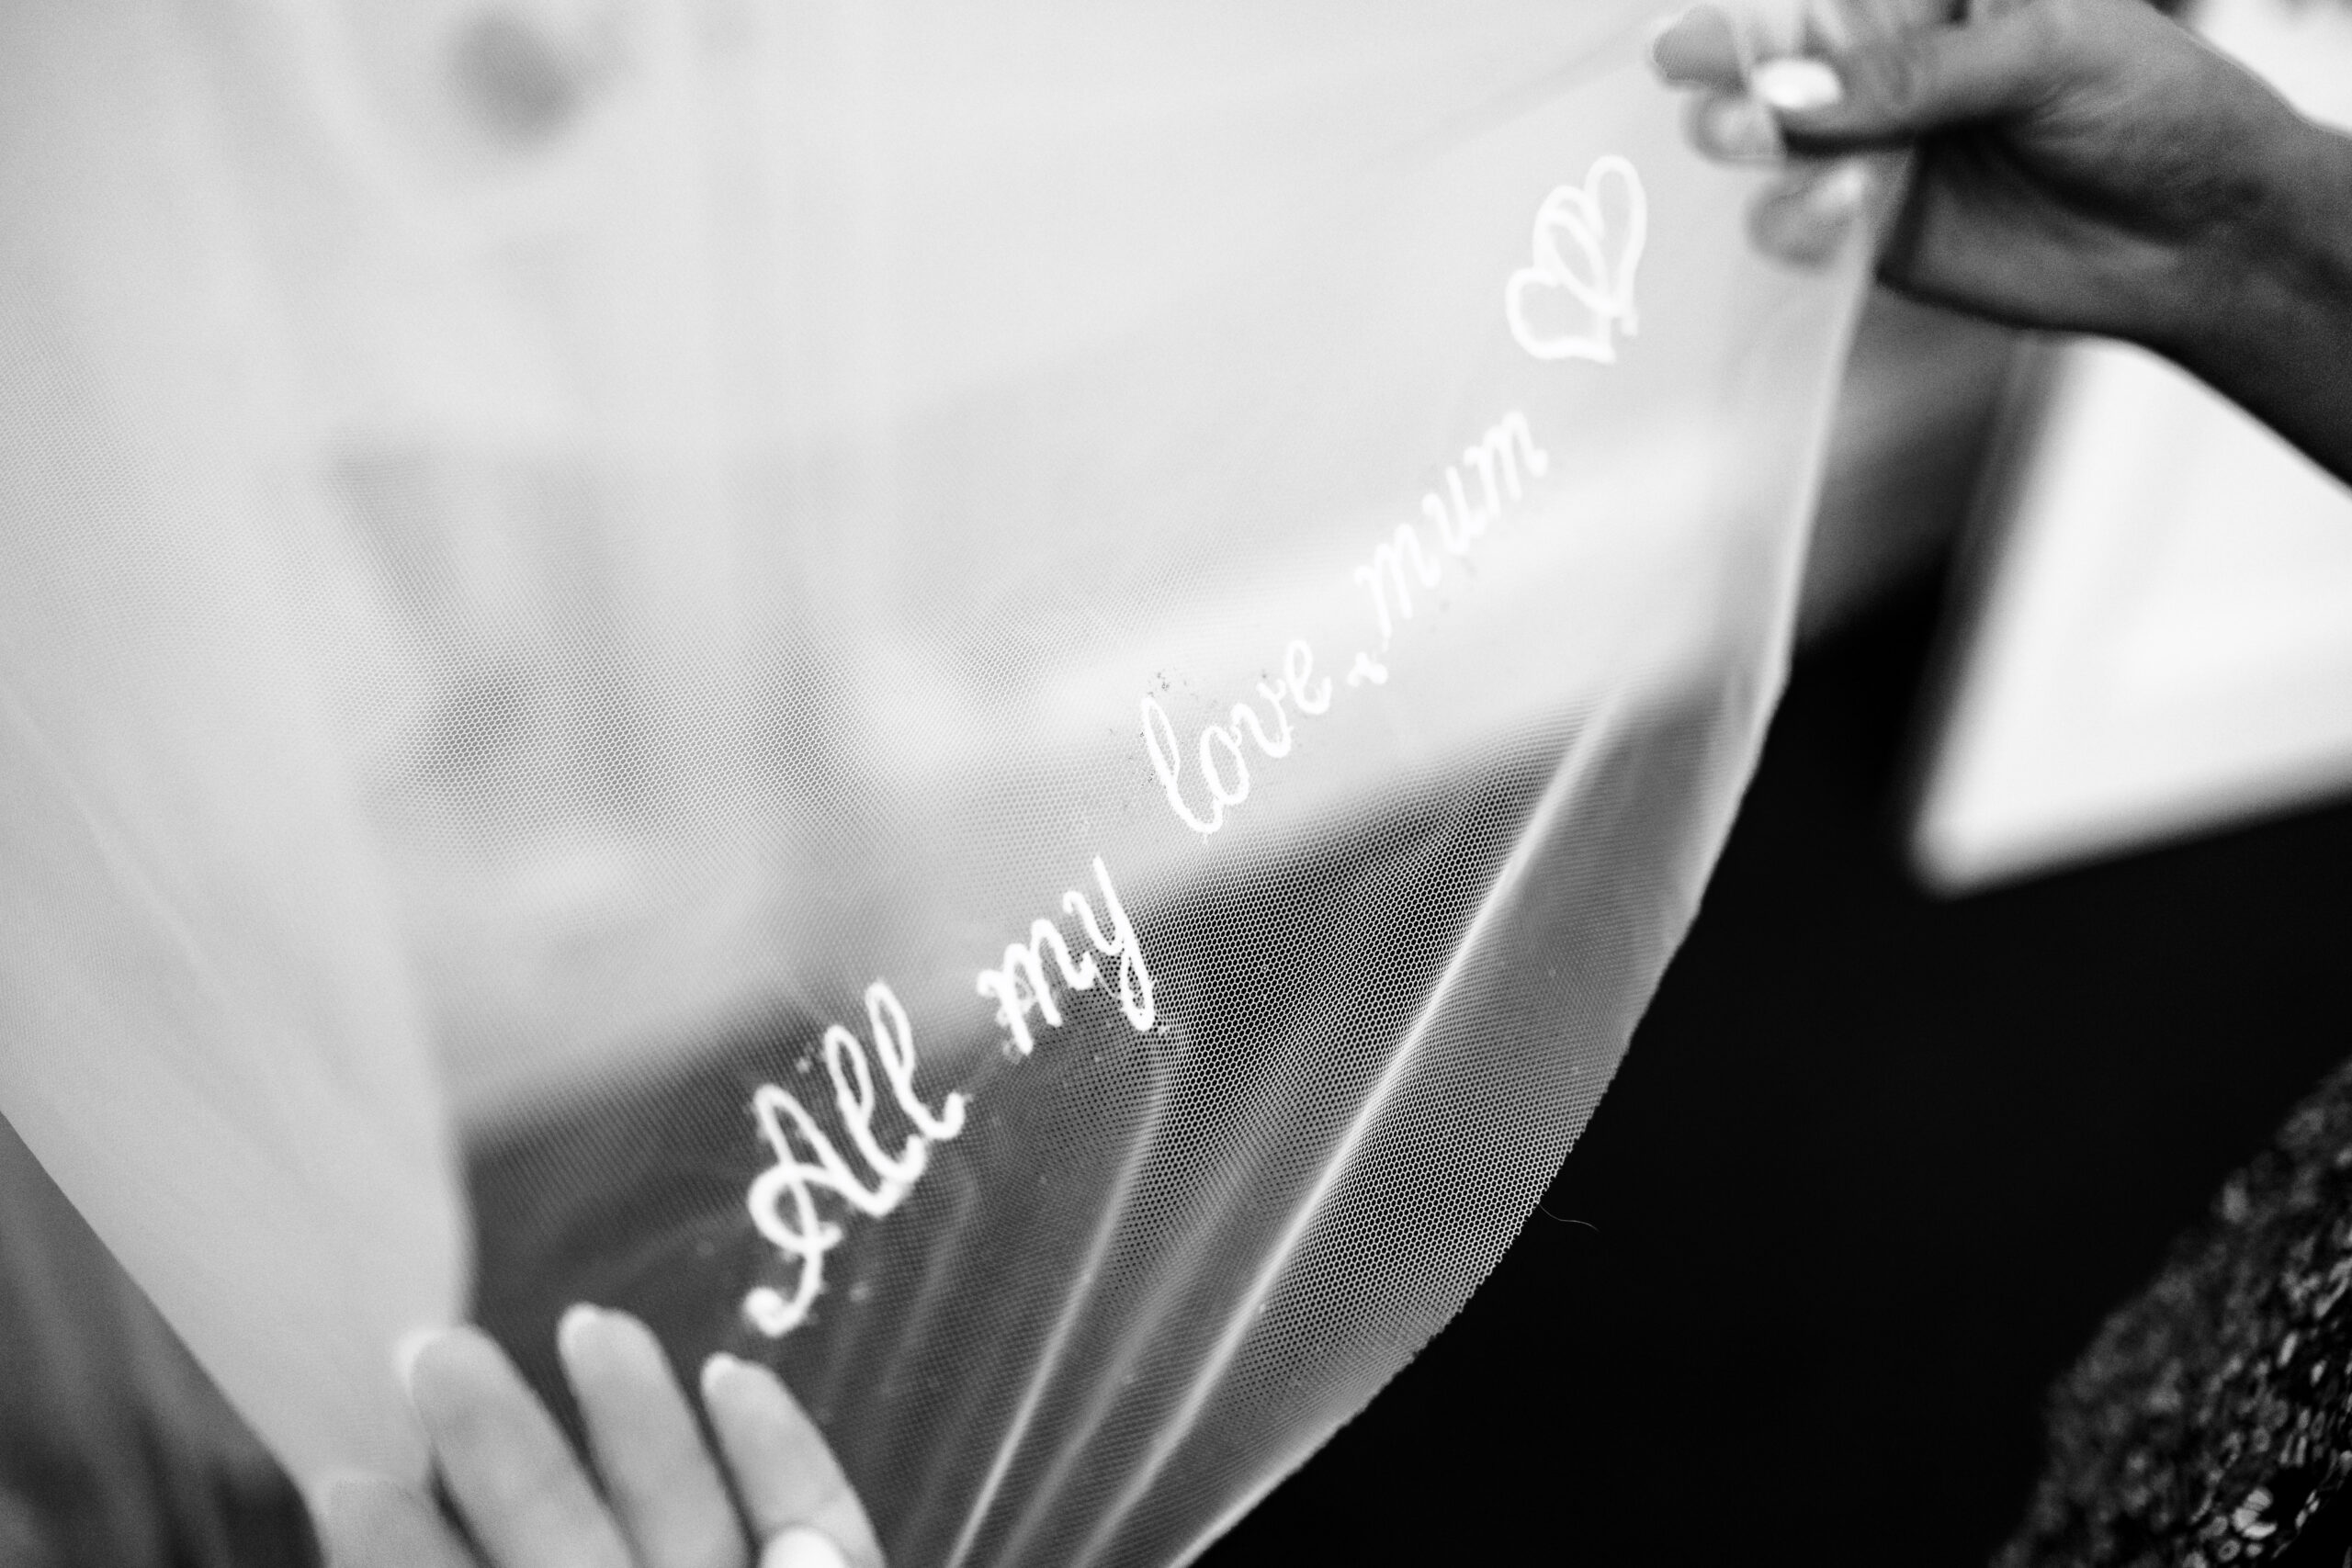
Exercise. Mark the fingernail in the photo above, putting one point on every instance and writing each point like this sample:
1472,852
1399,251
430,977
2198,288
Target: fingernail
1739,128
405,1351
797,1546
1795,86
1839,193
577,1320
1692,44
717,1368
1658,31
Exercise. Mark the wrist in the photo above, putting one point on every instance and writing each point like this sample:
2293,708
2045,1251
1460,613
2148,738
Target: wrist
2312,265
2275,333
2279,286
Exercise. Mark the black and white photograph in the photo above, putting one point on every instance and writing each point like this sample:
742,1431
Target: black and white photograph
1122,784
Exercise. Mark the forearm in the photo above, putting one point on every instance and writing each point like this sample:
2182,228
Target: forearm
2274,329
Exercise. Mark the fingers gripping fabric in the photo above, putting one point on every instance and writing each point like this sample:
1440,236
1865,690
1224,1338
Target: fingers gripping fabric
1007,703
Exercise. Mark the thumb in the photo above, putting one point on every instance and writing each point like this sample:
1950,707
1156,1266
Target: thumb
1897,89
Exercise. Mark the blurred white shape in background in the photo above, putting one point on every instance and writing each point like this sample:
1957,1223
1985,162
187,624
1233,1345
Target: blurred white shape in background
2163,640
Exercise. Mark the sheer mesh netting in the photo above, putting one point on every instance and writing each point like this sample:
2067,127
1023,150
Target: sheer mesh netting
1006,703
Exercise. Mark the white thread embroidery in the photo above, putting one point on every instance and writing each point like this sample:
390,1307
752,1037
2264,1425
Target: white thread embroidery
1390,559
783,1198
1478,491
1506,448
1589,253
1022,985
1225,769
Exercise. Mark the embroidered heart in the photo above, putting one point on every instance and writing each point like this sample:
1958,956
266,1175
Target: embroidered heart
1588,245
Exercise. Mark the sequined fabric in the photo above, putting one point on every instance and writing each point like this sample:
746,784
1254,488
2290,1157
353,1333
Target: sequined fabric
2211,1421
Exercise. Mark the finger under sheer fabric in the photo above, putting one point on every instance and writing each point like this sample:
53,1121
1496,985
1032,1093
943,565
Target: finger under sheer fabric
1006,704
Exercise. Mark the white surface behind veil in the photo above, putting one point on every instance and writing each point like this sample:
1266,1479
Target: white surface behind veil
550,549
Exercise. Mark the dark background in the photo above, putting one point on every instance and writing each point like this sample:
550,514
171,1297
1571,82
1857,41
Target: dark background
1874,1169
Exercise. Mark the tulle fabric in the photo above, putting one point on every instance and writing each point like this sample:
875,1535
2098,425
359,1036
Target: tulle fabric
1007,703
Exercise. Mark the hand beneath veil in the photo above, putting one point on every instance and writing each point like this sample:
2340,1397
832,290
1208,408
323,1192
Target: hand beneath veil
2082,166
524,1501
